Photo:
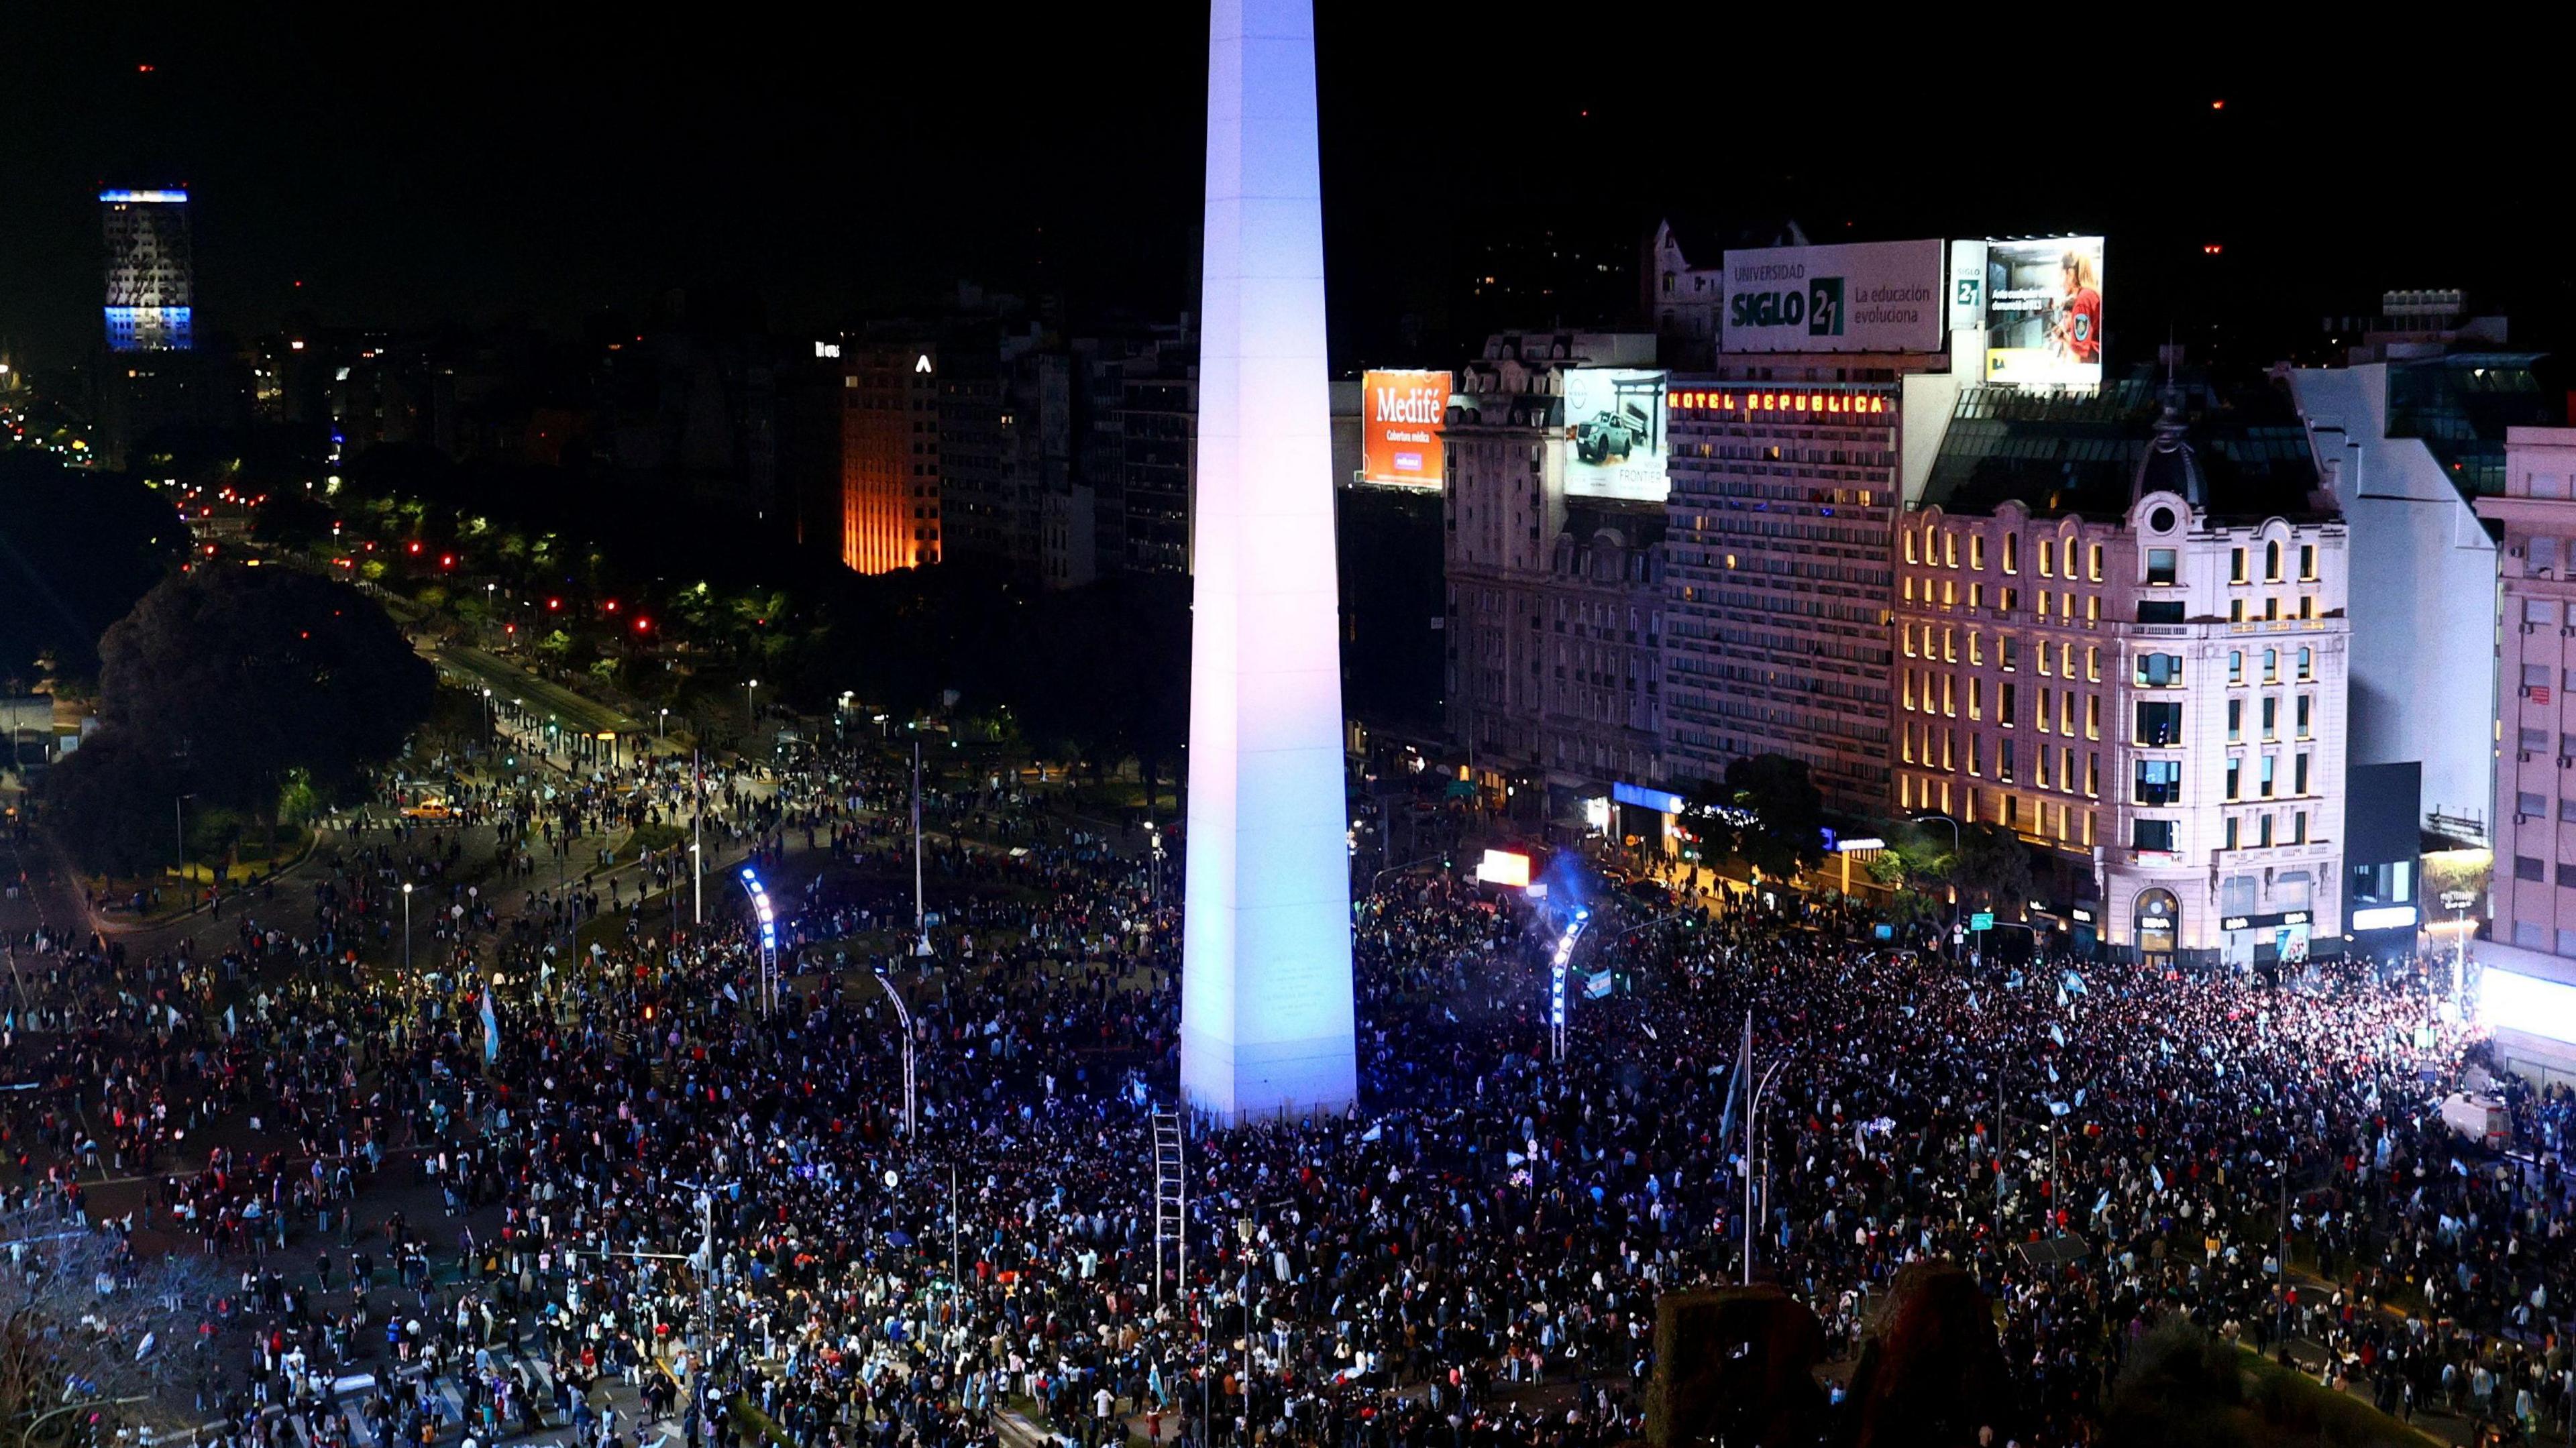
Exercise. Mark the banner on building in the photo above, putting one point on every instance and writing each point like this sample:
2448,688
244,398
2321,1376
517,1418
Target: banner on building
1614,434
1400,417
2043,303
1880,296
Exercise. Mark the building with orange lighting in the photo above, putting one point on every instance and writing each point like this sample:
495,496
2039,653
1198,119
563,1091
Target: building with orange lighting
889,454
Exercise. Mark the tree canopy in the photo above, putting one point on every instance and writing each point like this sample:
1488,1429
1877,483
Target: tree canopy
76,550
1768,813
232,681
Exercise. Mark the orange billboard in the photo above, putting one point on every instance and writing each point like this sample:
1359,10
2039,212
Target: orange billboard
1400,416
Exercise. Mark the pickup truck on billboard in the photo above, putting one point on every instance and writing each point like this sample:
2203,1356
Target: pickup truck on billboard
1608,437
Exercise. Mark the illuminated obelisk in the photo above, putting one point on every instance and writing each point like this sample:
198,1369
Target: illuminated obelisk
1266,945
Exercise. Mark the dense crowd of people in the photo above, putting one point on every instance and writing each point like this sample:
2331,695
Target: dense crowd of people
634,1160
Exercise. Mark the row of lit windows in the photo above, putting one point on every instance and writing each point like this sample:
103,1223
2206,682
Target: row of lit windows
1944,700
1938,748
1940,547
2007,650
2007,599
2272,564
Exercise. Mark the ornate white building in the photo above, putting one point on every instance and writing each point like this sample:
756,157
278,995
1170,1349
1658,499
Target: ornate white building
2148,688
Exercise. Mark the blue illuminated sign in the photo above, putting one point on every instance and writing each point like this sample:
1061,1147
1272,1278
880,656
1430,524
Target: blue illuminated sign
150,329
145,198
1662,801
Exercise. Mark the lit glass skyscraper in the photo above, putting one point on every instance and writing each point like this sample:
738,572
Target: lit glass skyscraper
151,277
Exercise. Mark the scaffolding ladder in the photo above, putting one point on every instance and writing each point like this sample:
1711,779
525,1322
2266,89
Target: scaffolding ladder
1171,1203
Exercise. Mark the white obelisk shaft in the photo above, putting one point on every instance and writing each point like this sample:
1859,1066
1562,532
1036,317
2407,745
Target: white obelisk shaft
1266,958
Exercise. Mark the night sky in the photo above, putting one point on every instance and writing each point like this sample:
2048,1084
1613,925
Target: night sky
477,164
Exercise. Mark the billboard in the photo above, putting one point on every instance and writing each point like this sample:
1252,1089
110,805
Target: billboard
1504,867
1614,434
1880,296
2044,312
1400,417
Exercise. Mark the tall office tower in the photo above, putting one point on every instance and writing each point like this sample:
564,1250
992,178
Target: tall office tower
151,281
1266,1011
2534,503
889,455
1782,506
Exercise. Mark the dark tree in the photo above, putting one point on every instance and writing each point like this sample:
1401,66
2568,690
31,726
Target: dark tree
76,551
246,676
1993,866
111,803
1767,814
292,520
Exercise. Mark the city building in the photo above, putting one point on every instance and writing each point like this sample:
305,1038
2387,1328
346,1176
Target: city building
889,453
1554,565
151,274
2121,633
2534,511
1158,420
2383,858
144,397
1068,535
689,408
1006,425
1784,491
2407,436
1788,463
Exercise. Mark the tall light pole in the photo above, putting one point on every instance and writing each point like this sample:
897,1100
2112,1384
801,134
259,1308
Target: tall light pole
406,930
1752,1118
179,814
903,1015
697,855
750,715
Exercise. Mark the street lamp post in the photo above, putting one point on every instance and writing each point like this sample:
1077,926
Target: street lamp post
750,714
903,1016
1752,1120
406,929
